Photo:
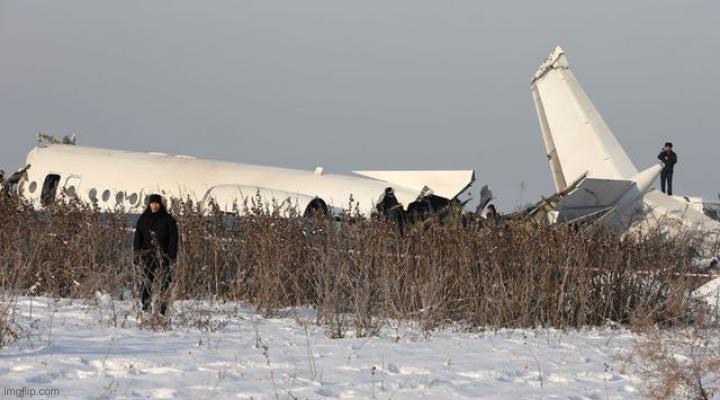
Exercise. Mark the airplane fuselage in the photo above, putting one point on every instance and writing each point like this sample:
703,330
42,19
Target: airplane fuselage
120,180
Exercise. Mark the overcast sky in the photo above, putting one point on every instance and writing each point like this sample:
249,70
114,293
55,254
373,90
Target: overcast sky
364,85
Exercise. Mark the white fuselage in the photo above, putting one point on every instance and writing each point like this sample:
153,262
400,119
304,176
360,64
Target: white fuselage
120,180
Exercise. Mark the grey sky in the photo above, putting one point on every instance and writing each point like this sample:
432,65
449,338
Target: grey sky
364,85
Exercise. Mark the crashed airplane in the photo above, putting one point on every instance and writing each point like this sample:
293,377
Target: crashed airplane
119,180
594,177
595,180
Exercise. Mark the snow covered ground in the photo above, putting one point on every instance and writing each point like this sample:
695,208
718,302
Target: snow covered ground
74,346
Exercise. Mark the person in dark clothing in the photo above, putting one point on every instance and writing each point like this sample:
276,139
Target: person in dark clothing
418,210
391,208
155,247
491,213
669,159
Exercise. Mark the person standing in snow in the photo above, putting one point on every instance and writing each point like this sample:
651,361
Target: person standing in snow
155,247
669,159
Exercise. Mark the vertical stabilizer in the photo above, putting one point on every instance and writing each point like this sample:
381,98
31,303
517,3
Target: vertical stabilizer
577,139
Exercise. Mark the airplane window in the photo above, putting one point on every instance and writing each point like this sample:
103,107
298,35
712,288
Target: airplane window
92,194
32,187
133,198
119,197
106,195
49,189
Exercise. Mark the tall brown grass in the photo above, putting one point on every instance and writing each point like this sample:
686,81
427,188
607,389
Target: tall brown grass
358,272
681,363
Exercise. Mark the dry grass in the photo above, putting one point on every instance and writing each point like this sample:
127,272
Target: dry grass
682,363
8,328
359,272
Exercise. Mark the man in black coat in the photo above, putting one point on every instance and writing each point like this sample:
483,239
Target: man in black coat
155,247
391,208
669,159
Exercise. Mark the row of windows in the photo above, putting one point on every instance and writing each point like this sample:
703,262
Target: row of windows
50,190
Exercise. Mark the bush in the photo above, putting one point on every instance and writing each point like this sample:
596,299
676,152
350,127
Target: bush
358,272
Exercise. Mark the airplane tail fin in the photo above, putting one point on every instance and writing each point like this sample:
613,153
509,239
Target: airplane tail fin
580,144
577,139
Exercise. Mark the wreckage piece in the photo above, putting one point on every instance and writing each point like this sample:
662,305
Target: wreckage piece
546,209
10,185
712,210
710,294
117,180
486,196
578,142
68,139
446,184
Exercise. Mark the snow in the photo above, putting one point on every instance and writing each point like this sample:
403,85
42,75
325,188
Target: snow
710,293
96,349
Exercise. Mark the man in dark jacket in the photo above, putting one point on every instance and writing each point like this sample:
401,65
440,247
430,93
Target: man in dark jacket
155,246
669,159
491,213
391,208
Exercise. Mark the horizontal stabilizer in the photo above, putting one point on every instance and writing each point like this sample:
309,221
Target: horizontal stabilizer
447,184
592,195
